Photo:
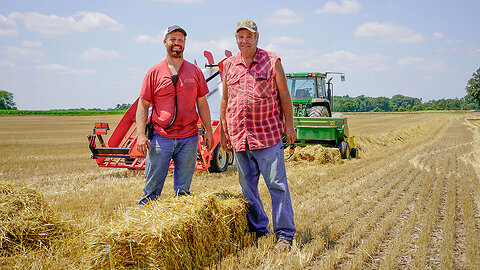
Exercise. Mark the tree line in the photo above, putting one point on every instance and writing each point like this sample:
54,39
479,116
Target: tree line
398,103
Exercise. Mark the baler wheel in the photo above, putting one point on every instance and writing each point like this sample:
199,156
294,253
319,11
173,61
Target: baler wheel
354,152
219,161
344,149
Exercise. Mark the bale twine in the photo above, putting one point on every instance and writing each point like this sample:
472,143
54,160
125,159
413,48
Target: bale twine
188,232
26,221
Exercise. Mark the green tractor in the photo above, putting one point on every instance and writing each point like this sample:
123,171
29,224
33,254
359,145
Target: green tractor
312,97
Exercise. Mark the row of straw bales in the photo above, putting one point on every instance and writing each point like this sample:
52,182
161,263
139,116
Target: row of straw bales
188,232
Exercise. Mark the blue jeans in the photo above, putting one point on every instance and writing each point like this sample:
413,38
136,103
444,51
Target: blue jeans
270,163
162,150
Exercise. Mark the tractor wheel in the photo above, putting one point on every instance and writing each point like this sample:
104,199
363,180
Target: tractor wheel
219,161
318,111
354,152
344,149
231,157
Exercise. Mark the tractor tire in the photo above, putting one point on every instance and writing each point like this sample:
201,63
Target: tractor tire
219,162
318,111
344,149
354,152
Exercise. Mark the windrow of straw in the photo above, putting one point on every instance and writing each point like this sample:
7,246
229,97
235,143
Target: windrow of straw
188,232
26,221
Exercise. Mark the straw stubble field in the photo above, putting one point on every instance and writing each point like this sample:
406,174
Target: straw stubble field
411,201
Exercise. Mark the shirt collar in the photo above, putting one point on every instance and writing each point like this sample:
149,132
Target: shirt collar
238,59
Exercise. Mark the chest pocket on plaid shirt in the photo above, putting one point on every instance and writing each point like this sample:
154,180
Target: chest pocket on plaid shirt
264,85
233,84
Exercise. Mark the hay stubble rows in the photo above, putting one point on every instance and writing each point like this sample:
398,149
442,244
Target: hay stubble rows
411,201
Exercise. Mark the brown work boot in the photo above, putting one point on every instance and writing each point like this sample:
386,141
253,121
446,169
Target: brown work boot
283,244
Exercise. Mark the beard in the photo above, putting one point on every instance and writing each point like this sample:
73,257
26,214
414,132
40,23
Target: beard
178,53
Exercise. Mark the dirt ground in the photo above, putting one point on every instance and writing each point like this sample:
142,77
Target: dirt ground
410,201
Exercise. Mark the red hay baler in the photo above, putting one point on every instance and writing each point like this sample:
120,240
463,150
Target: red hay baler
120,150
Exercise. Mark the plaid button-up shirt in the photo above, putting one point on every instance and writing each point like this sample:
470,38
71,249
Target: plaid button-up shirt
253,111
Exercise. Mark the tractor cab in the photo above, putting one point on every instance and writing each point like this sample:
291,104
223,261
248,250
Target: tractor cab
309,93
306,85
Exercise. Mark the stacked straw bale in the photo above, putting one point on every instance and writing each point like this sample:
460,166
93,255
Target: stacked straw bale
26,221
188,232
315,153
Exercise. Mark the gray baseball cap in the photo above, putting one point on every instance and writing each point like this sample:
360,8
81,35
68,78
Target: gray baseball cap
247,24
174,28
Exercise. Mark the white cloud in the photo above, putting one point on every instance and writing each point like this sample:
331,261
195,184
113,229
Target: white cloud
342,61
347,7
283,16
24,53
8,64
7,27
424,65
453,42
474,52
438,36
411,60
349,60
56,25
148,39
98,54
388,32
62,70
31,44
284,40
446,50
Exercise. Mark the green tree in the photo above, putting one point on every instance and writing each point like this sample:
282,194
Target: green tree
123,106
473,87
348,107
6,101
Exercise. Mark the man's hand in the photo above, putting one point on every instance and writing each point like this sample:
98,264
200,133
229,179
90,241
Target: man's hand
208,140
225,140
143,144
290,135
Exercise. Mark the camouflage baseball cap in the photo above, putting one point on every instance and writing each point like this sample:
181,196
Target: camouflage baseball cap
174,28
247,24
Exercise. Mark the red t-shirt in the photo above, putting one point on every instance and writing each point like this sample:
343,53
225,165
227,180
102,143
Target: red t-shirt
190,86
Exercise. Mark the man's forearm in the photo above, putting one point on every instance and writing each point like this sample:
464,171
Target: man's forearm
141,115
204,113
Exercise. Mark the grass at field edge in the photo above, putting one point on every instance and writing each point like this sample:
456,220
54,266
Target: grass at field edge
59,113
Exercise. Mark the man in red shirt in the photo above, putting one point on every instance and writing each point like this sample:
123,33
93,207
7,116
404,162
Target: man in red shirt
256,111
176,89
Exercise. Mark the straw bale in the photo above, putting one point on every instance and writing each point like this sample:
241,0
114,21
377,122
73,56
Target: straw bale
316,154
26,221
187,232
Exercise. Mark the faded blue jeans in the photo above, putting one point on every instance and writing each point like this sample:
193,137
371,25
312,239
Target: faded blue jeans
270,163
162,150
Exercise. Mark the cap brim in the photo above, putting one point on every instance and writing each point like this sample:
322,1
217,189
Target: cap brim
246,28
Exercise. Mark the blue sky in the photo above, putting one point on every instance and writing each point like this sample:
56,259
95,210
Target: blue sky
94,54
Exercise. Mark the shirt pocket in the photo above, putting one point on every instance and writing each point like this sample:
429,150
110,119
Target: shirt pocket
233,85
264,85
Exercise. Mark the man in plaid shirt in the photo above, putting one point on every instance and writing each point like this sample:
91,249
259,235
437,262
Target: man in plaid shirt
256,111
